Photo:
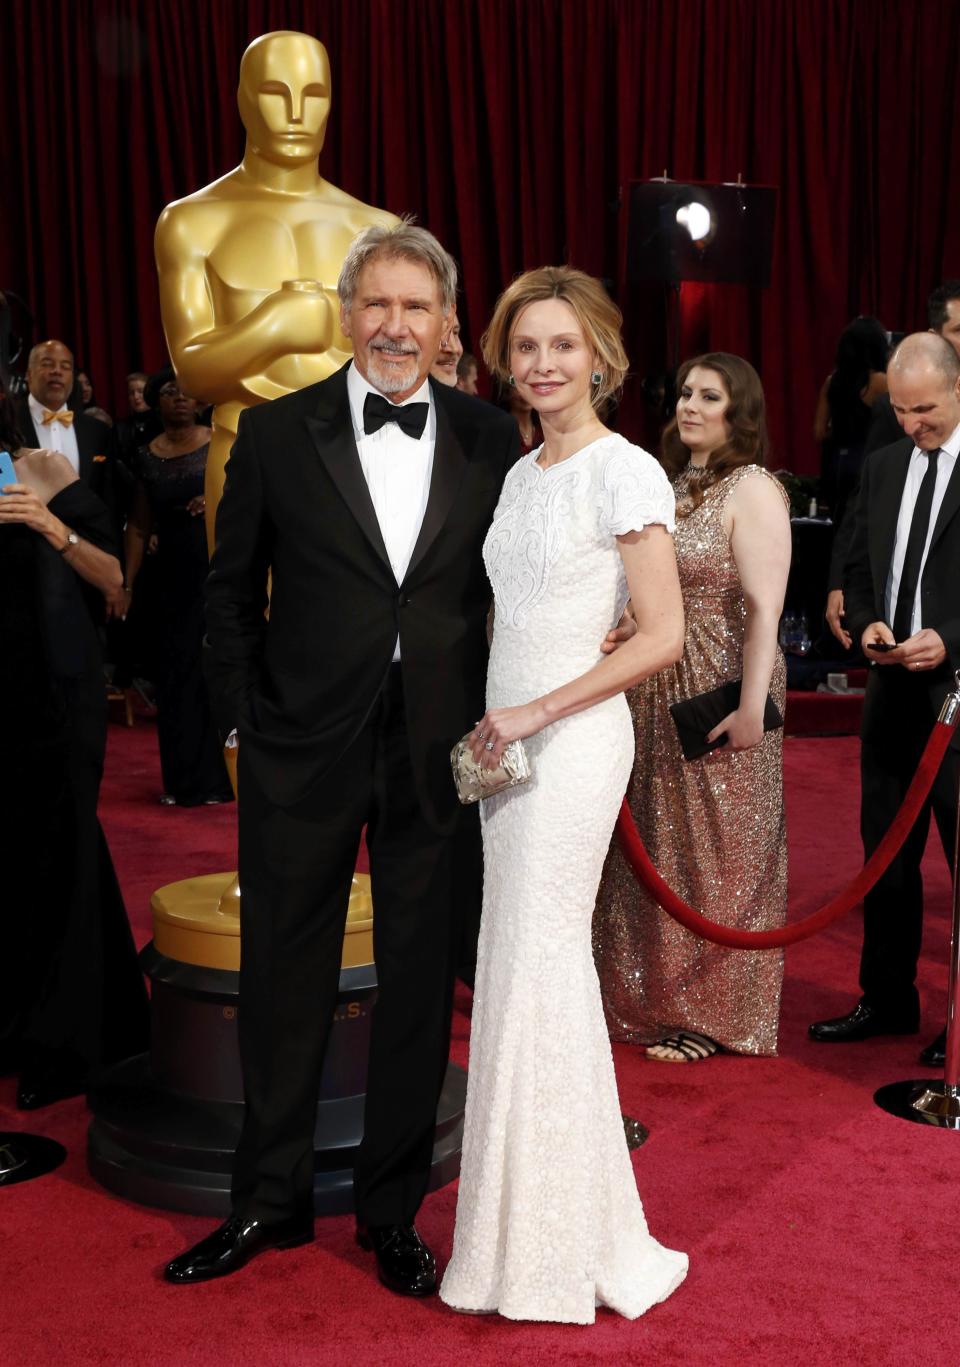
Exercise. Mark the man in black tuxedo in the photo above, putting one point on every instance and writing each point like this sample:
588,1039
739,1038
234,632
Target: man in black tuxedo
366,498
943,315
902,606
45,420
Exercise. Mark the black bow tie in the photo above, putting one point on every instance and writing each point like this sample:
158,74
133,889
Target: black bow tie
409,417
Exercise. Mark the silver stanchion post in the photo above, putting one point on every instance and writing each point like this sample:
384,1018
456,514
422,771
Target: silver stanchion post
938,1103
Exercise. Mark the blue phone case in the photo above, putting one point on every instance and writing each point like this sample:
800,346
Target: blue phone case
7,473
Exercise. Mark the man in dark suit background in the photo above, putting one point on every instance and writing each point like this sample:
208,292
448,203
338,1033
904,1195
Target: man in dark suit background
46,421
943,315
44,415
366,498
901,591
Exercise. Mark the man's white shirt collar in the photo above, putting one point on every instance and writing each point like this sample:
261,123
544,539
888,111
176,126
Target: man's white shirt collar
37,409
951,447
54,435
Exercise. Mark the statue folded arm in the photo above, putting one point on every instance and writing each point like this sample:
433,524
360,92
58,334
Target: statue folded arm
213,361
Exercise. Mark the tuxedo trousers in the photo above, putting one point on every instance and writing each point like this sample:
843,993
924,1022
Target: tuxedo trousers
899,712
296,864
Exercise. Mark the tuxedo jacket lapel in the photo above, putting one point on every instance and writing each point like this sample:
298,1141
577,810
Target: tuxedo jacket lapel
331,432
86,441
949,506
449,466
28,428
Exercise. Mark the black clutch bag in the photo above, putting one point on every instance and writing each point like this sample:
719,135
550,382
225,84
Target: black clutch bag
695,717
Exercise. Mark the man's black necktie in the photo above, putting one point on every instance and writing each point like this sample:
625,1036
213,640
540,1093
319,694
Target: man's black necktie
917,539
409,417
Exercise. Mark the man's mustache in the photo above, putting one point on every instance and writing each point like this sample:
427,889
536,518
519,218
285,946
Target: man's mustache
395,348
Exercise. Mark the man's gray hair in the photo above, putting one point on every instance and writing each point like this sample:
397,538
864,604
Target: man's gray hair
403,240
927,347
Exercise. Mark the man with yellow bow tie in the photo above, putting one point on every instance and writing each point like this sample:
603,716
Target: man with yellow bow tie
46,421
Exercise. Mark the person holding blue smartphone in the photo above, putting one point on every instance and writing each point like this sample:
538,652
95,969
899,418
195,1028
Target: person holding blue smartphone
72,998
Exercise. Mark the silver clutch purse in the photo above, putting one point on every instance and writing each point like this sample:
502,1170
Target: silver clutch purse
474,783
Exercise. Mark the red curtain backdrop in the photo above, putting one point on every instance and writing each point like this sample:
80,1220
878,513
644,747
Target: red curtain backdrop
512,128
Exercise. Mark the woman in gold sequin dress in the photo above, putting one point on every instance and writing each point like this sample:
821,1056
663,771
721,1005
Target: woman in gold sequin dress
714,826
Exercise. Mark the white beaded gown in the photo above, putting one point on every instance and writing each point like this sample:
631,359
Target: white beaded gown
549,1223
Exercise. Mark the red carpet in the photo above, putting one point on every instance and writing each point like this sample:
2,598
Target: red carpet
820,1230
822,714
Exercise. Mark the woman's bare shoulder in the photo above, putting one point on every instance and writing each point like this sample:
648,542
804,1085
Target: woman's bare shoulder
754,488
46,472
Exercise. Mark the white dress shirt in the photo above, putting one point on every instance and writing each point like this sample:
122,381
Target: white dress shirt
53,435
915,472
397,469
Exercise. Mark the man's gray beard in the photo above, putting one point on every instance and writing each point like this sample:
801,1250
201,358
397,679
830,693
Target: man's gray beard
384,380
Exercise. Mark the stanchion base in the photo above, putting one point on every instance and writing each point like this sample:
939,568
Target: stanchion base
924,1102
26,1156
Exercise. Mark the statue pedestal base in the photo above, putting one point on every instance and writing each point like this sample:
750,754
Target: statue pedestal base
166,1124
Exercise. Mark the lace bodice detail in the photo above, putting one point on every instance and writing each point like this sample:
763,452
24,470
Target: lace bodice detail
552,557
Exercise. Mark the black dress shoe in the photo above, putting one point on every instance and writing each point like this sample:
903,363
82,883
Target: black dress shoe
935,1054
43,1088
228,1248
404,1262
862,1023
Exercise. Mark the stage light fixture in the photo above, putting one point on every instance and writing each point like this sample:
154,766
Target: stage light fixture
689,230
697,219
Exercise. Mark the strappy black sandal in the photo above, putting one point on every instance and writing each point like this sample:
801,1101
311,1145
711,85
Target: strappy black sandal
682,1047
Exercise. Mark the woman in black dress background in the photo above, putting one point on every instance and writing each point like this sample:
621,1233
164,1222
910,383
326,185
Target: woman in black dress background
72,998
169,503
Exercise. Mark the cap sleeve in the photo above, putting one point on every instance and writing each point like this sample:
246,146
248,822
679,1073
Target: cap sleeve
635,492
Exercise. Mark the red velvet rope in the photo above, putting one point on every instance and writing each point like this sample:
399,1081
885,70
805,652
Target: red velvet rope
889,847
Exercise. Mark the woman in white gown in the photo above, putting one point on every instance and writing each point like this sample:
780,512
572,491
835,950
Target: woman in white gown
549,1222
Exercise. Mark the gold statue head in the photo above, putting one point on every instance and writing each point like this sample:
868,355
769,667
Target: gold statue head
284,96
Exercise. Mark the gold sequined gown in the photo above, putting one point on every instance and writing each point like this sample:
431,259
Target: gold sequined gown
714,828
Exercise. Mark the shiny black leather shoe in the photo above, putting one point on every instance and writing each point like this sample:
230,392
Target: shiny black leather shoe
231,1246
863,1022
404,1262
935,1054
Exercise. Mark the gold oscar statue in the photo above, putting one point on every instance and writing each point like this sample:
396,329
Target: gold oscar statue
248,269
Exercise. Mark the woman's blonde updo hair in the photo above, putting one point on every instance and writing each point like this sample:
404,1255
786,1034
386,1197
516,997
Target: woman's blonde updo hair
599,318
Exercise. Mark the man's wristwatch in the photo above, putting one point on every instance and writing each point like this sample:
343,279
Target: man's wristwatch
71,541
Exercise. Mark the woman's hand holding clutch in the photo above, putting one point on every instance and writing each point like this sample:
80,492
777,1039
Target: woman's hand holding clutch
501,725
742,730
